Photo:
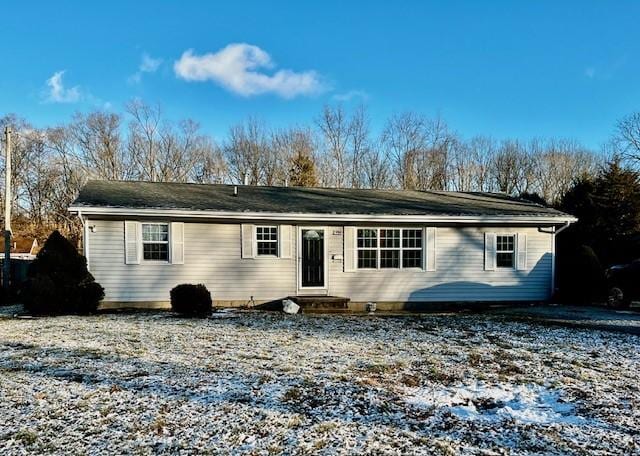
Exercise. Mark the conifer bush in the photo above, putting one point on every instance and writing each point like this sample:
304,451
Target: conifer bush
58,281
191,300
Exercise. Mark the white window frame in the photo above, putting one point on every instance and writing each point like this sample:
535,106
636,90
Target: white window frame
378,249
422,250
512,251
271,241
373,249
167,242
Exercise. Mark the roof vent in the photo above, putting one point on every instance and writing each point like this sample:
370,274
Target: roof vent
235,190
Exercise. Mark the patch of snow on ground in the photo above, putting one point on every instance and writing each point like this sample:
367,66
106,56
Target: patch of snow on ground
522,403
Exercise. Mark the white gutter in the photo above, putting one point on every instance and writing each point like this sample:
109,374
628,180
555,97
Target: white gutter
306,217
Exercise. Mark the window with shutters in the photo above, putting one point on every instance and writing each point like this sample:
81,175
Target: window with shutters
389,248
267,240
505,251
155,241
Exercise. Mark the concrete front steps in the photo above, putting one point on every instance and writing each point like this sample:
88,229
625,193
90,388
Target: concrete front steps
321,304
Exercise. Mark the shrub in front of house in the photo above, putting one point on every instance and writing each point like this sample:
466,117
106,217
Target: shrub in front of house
191,300
58,281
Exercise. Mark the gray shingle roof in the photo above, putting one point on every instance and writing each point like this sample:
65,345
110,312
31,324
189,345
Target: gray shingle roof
208,197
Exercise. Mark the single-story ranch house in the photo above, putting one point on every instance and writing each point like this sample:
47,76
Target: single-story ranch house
251,244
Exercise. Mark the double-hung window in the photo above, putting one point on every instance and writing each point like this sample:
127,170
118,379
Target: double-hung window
412,248
389,248
267,240
155,241
367,249
505,251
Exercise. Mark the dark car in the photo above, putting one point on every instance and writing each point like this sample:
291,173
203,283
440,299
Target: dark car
623,281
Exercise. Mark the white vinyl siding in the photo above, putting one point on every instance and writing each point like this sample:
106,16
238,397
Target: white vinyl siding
460,274
214,254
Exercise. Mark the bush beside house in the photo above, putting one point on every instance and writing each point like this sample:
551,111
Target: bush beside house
191,300
58,281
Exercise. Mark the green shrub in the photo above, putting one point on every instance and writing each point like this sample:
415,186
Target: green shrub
191,300
58,281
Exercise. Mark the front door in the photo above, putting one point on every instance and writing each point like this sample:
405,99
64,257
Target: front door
312,259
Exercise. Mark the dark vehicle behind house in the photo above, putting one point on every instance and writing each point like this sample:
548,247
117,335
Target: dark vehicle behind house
623,281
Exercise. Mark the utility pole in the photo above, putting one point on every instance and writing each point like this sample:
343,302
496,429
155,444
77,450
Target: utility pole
7,210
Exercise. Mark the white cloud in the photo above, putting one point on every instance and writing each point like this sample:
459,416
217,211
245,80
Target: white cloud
56,91
236,66
148,64
351,95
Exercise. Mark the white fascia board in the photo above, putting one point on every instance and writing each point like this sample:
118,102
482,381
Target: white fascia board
306,217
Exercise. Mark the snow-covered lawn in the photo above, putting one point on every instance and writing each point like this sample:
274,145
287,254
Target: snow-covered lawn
263,383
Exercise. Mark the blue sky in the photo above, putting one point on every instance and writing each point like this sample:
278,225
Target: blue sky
504,69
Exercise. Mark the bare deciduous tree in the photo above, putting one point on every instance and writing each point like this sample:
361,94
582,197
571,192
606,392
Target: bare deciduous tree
627,136
412,152
99,146
245,151
335,130
403,138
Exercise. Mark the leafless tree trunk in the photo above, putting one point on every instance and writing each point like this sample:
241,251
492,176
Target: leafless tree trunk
144,139
505,166
359,143
404,138
98,140
375,168
245,151
335,131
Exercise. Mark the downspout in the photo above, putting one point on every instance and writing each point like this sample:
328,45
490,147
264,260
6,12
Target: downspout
556,231
85,237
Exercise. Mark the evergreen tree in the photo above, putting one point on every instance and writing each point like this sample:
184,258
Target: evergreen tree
608,212
533,198
303,171
59,282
